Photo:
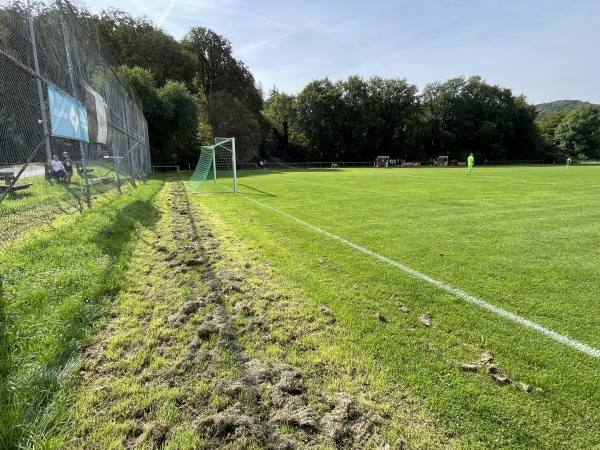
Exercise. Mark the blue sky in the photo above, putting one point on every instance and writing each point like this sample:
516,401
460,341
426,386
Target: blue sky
547,50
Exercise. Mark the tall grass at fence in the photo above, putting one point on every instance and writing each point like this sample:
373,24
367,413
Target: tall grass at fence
523,239
55,285
37,205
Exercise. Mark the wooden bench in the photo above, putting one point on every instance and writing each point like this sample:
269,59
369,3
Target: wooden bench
9,178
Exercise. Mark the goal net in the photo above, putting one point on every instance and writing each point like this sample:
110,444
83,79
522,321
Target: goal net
215,171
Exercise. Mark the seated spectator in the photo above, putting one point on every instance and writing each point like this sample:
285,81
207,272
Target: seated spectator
67,166
56,167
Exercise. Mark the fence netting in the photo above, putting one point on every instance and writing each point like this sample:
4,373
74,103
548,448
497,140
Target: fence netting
56,43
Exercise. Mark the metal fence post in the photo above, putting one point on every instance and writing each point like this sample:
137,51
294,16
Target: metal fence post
88,196
36,66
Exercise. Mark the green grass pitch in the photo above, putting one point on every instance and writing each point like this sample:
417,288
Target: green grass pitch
524,239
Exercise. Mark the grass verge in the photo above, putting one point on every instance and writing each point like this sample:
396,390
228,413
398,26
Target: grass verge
54,285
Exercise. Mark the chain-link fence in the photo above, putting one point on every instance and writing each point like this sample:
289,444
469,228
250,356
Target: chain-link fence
53,45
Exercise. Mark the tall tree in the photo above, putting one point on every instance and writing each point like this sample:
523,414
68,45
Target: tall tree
439,105
137,42
394,118
172,113
356,121
524,140
579,132
180,124
319,115
233,118
468,115
547,128
279,111
548,124
225,85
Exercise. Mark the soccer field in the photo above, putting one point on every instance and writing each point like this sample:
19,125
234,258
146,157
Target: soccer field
503,261
524,239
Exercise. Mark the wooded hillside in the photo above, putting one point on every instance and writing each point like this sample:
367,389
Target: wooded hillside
543,109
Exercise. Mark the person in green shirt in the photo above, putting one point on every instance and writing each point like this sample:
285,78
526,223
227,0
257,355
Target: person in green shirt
470,162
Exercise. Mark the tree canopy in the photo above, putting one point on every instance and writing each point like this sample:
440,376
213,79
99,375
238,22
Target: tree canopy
172,113
356,120
463,116
232,102
578,133
194,90
137,42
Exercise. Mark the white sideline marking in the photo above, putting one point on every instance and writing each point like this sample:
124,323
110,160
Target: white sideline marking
591,351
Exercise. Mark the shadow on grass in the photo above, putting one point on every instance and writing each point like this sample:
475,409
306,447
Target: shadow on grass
264,194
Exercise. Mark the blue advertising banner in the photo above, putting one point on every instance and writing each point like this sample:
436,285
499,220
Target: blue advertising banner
68,116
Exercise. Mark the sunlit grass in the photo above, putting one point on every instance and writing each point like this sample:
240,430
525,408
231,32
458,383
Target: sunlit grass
55,285
520,238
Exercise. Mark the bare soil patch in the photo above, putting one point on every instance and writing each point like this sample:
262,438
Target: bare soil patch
197,366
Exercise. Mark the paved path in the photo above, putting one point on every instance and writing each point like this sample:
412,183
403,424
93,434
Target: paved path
32,170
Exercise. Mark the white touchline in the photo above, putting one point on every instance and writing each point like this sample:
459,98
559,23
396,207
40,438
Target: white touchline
591,351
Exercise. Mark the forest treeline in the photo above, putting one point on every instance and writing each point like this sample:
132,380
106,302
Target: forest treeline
543,109
194,89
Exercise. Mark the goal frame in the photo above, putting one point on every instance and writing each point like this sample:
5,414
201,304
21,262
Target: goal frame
210,174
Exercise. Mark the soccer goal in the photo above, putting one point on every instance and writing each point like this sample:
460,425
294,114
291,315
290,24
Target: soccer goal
215,171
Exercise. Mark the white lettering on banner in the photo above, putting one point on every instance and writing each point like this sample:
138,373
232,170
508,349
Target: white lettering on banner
61,114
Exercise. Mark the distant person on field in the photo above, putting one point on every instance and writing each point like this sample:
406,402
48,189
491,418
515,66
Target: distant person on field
568,162
470,162
56,167
68,166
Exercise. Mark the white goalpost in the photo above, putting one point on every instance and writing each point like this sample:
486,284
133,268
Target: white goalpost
216,168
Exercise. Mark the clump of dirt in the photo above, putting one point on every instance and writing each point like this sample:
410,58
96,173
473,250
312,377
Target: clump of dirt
348,428
493,370
380,317
232,425
185,311
495,373
402,307
525,387
474,365
325,310
425,319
